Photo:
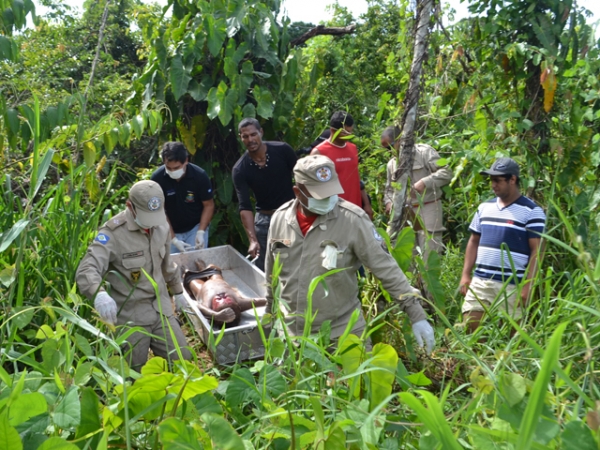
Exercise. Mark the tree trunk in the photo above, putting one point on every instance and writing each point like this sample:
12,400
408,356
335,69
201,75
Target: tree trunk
405,145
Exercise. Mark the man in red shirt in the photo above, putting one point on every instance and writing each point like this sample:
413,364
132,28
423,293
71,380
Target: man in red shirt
344,155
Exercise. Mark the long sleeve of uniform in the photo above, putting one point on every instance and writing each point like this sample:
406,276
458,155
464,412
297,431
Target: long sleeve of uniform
171,272
368,248
388,194
118,260
94,264
438,176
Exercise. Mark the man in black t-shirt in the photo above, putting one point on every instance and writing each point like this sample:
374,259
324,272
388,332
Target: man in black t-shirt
266,169
189,200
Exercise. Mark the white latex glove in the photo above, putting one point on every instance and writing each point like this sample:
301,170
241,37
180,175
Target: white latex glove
329,255
180,302
200,239
180,245
106,307
424,333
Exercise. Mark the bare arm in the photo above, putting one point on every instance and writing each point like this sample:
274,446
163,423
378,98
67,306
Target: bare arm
366,203
534,247
208,210
470,258
248,222
314,151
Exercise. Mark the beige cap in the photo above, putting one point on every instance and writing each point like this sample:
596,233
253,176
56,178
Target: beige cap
317,173
149,201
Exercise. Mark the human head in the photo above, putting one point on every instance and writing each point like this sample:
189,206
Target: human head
147,203
175,159
251,134
316,173
389,136
504,167
341,119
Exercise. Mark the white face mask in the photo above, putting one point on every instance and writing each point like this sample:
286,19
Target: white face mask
321,207
175,174
145,227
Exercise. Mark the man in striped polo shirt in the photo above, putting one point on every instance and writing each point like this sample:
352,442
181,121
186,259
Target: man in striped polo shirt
505,235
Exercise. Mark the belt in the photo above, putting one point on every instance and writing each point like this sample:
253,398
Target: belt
268,212
416,205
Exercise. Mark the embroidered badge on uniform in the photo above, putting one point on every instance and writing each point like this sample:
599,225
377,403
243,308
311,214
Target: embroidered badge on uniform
154,204
189,198
135,276
376,235
102,238
324,174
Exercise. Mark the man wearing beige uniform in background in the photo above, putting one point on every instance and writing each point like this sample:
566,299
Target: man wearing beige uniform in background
318,232
427,180
112,273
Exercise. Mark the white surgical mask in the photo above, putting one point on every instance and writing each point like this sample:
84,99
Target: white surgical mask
321,207
175,174
145,227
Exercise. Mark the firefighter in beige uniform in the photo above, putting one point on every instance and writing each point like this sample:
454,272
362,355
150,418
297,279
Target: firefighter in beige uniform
135,240
318,232
425,194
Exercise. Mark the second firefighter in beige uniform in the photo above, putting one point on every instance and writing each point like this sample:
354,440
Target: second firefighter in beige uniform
428,177
318,232
112,273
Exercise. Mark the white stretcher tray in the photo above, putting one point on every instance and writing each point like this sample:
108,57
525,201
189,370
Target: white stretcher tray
243,341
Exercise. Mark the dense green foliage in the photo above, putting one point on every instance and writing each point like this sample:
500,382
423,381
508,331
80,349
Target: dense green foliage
521,79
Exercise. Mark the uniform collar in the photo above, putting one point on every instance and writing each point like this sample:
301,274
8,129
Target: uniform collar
131,225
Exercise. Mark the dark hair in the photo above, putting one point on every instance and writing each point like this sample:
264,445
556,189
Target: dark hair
391,134
174,151
247,122
339,119
508,176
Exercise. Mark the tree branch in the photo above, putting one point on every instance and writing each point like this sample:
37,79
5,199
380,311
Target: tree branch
321,30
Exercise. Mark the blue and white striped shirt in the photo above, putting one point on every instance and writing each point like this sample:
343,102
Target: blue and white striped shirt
512,226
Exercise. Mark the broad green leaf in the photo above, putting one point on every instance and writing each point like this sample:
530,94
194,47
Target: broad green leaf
418,379
241,388
67,413
386,358
199,91
89,153
41,172
271,379
9,436
577,436
264,102
180,78
175,434
403,250
213,104
216,34
7,276
228,104
25,407
351,355
221,432
56,443
513,388
137,123
90,415
207,403
249,110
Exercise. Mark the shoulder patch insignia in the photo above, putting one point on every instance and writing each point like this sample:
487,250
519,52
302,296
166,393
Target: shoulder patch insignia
102,238
376,235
